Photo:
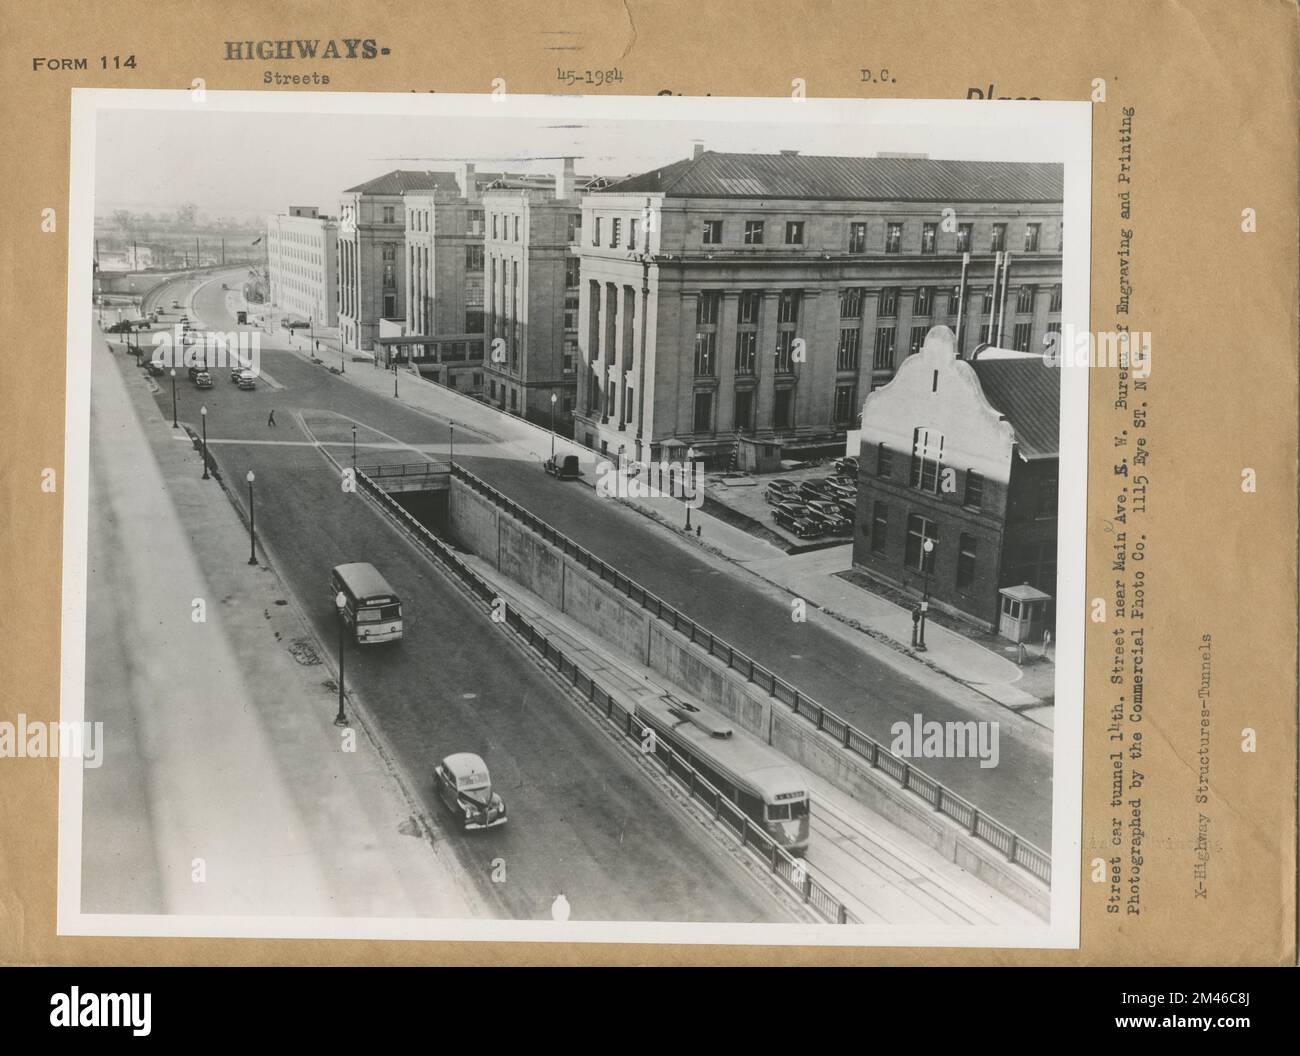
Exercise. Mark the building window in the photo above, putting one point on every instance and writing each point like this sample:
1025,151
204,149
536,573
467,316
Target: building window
753,232
390,214
1025,299
631,234
846,398
615,232
746,351
929,236
787,307
749,301
893,237
474,320
516,229
879,527
1031,237
924,300
794,232
917,340
963,238
473,258
390,306
974,497
999,238
706,306
846,357
966,561
712,232
785,352
595,231
571,312
1054,305
389,251
745,410
919,529
573,227
1045,500
858,236
1020,337
703,412
927,455
884,462
782,409
572,272
888,302
851,302
883,355
705,346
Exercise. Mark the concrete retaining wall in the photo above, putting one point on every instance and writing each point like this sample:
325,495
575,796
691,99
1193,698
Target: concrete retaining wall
480,526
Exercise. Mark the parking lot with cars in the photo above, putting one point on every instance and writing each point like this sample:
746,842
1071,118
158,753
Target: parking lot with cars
809,506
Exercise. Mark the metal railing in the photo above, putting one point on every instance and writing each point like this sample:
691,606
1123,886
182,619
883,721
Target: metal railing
942,799
406,469
794,872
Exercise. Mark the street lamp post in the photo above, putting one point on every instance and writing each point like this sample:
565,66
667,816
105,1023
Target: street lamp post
343,358
451,452
252,522
354,448
340,602
175,423
203,413
688,478
395,379
554,399
927,552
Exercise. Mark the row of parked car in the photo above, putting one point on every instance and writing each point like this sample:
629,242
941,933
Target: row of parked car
821,506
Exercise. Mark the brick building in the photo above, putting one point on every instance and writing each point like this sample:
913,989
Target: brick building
531,296
302,264
962,451
767,294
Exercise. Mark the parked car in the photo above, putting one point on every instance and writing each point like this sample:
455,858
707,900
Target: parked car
814,489
847,466
176,304
830,515
153,367
794,518
562,467
779,489
839,488
203,379
248,380
123,327
849,507
241,317
465,788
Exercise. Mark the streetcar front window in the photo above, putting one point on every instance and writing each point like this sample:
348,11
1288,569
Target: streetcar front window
799,809
778,812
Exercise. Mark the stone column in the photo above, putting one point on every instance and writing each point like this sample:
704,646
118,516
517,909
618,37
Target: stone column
765,364
726,370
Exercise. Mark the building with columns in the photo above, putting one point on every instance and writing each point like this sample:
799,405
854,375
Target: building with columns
531,293
766,295
958,482
371,251
302,264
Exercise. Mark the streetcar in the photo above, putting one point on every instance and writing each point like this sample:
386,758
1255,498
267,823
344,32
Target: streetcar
755,777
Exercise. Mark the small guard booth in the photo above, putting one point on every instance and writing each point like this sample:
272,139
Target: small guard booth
1023,614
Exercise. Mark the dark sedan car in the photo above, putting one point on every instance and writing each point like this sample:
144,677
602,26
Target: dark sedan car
839,487
465,788
831,516
815,489
780,490
795,518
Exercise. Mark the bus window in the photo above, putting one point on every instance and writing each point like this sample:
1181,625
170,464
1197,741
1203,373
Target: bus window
378,615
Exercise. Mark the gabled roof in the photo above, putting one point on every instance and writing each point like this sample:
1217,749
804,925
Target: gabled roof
399,181
1028,392
791,175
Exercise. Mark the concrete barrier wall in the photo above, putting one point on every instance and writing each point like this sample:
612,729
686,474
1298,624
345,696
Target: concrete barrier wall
528,560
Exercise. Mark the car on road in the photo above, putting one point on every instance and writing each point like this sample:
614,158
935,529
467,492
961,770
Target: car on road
465,788
248,380
840,488
203,380
241,317
562,467
831,516
780,489
123,327
153,367
795,518
176,304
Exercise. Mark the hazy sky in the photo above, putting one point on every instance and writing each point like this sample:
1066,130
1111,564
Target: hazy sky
232,163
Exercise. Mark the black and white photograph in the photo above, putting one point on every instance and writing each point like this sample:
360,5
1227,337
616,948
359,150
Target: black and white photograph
575,519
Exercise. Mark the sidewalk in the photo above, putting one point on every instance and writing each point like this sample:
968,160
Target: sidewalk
883,874
813,576
220,741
